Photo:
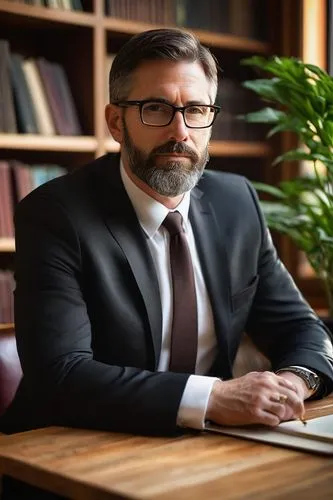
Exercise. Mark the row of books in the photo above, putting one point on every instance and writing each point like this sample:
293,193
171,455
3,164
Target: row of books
239,17
37,98
54,4
7,286
236,101
16,181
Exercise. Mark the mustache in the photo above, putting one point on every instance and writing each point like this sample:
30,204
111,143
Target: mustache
175,147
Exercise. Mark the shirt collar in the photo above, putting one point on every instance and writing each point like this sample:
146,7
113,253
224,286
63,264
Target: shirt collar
150,212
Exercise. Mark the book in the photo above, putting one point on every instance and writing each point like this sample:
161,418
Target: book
108,63
22,180
43,115
69,108
316,436
6,219
25,114
7,110
52,4
241,18
53,96
77,5
6,297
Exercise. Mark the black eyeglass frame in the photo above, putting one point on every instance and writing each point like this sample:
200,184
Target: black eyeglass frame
181,109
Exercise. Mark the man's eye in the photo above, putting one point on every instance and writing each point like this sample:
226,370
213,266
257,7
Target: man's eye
155,107
196,110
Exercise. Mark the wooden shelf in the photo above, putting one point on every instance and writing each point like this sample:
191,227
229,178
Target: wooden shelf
111,146
218,148
220,40
35,142
15,12
7,245
4,327
232,42
238,148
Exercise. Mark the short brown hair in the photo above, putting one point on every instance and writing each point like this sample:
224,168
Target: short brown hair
170,44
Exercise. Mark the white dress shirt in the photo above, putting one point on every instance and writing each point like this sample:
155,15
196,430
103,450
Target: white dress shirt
151,214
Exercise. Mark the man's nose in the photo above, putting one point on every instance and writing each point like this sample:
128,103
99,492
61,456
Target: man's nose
177,129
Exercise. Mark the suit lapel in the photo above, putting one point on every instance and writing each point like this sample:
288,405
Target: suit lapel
122,222
209,240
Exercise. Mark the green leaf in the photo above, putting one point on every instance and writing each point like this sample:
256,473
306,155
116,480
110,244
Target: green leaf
267,188
264,87
316,70
287,124
294,154
265,115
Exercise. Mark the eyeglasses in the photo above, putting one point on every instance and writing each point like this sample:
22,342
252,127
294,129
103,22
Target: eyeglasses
161,114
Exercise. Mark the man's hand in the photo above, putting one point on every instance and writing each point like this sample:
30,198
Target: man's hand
257,398
301,388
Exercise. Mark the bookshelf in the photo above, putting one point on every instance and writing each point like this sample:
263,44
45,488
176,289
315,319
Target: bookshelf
82,40
229,42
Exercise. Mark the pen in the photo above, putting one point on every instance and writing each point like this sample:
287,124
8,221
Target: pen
302,419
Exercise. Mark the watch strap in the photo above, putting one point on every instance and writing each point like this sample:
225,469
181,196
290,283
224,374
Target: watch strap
311,378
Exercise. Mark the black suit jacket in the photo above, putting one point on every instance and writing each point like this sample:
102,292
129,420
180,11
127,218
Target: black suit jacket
87,308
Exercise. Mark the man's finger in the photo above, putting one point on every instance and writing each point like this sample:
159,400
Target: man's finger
279,398
283,382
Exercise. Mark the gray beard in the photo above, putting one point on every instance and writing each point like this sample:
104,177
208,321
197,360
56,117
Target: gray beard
168,181
173,178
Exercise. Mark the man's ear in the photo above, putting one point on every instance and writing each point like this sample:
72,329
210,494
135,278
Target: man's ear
114,122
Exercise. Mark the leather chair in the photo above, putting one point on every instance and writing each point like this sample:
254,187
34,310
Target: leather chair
10,367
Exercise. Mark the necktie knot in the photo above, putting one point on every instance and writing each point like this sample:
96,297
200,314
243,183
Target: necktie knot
173,223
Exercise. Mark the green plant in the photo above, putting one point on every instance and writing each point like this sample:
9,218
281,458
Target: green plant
303,206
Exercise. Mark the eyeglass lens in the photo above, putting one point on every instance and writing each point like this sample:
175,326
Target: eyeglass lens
160,114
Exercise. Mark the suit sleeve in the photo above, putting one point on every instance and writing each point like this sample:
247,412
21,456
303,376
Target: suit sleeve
66,385
281,322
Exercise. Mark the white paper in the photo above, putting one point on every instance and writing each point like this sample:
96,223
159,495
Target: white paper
316,436
321,427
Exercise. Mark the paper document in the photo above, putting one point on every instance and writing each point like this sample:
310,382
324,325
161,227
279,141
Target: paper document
320,428
316,436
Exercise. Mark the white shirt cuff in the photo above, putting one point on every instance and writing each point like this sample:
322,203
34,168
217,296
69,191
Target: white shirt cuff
193,405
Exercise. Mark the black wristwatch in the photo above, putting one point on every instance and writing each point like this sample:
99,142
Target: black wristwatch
311,379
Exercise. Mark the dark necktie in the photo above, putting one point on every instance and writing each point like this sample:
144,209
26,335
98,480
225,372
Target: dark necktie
184,333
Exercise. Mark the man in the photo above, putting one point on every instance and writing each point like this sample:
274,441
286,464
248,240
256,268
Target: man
95,316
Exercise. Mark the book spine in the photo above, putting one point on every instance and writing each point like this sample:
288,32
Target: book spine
23,101
42,109
7,109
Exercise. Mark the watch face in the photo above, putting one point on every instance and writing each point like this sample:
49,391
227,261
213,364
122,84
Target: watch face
314,380
311,379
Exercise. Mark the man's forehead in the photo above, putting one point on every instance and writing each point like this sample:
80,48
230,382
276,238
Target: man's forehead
157,78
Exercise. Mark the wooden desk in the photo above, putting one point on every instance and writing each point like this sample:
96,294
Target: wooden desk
83,464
